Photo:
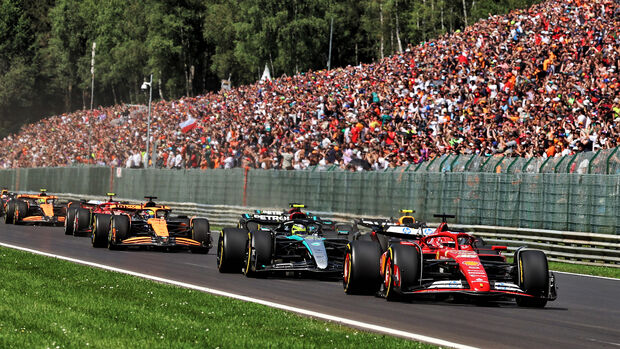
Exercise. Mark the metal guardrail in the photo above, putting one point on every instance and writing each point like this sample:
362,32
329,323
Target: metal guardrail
561,246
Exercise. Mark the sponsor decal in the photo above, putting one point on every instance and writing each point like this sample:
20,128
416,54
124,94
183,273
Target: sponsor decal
268,217
407,230
471,263
316,244
427,231
466,254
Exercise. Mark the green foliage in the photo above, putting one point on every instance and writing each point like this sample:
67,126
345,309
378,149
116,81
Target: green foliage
16,57
45,46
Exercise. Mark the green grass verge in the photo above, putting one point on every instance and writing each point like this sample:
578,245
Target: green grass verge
50,303
586,269
581,269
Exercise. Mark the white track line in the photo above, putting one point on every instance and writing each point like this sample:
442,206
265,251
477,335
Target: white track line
354,323
586,275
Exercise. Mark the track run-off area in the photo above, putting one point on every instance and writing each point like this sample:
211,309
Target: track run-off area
585,315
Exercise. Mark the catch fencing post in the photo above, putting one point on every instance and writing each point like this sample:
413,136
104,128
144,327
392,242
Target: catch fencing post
609,159
245,185
592,160
555,169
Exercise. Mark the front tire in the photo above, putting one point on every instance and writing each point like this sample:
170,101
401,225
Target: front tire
362,267
119,231
533,277
231,250
259,252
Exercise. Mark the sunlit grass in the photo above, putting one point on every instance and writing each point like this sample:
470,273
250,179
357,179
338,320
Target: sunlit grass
50,303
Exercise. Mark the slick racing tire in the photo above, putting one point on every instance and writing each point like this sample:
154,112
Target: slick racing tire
361,267
201,232
119,231
9,214
402,270
259,252
70,220
532,277
81,221
100,230
231,250
21,211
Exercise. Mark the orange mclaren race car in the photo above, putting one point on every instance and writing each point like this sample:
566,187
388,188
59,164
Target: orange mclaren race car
149,225
35,209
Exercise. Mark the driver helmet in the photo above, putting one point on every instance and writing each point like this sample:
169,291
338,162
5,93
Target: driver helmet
149,214
298,229
41,200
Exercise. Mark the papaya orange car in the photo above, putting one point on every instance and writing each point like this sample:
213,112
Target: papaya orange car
150,225
35,209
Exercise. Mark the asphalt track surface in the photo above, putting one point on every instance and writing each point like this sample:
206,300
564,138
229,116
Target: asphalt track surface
585,315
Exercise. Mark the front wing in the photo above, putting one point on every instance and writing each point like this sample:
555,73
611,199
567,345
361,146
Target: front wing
497,289
333,268
158,241
42,220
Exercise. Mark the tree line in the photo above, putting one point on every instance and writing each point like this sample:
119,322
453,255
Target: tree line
190,45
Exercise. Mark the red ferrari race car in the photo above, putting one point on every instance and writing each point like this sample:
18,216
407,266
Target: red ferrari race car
35,209
398,261
80,214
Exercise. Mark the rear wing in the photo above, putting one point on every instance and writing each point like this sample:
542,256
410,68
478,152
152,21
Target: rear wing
258,221
374,223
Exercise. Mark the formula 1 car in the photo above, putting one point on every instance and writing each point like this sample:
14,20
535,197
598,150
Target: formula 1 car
80,214
35,209
295,246
149,225
412,260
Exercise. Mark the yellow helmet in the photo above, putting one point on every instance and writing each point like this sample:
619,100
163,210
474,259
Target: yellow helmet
298,229
149,214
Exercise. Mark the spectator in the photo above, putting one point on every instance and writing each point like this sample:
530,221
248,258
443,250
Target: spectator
541,81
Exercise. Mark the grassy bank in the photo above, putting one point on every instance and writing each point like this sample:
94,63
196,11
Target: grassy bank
57,304
586,269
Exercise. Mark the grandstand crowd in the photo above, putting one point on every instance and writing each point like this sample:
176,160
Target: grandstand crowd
536,82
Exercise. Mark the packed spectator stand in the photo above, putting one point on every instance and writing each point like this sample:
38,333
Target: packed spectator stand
539,82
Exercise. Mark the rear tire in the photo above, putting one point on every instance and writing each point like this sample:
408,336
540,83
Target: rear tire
101,228
69,220
402,271
362,267
10,212
259,252
82,221
533,277
231,250
201,232
119,231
